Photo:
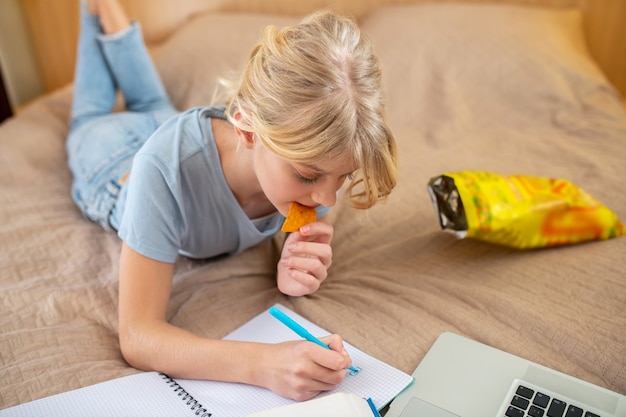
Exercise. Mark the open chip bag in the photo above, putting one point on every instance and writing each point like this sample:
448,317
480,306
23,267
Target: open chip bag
520,211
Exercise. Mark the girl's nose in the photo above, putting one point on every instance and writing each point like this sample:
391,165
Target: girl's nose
325,195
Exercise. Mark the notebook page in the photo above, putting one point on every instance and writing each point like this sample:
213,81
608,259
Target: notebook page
144,394
376,379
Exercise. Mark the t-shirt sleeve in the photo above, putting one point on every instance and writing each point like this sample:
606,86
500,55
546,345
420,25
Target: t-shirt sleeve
322,211
152,220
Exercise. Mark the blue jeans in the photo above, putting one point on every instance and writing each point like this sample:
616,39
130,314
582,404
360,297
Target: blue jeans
102,143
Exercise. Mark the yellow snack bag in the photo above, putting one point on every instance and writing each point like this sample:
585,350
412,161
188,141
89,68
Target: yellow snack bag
520,211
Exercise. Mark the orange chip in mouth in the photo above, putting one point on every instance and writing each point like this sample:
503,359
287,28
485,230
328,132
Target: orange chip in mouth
298,216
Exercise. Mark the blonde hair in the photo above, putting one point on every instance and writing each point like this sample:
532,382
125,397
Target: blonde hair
313,92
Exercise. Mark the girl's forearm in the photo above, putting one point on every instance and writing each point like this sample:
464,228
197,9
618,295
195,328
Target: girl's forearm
160,346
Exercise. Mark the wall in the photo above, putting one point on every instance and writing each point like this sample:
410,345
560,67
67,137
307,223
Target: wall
20,71
605,28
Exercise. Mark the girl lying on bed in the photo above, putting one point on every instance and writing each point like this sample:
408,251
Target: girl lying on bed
306,114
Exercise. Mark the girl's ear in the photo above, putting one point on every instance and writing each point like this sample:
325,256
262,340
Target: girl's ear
246,138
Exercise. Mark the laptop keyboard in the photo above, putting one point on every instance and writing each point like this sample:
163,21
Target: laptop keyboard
528,400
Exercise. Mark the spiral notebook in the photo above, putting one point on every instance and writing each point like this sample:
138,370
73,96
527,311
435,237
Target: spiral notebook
155,394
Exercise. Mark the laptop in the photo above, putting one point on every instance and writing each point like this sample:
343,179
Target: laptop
460,377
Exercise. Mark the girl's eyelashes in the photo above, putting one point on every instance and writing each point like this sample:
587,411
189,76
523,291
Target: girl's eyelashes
306,180
312,180
306,176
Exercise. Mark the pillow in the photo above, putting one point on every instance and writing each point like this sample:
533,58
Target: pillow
206,48
484,63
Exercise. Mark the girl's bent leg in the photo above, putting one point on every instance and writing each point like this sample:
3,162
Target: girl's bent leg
134,71
94,87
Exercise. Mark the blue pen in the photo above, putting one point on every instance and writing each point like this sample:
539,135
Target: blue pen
301,331
373,407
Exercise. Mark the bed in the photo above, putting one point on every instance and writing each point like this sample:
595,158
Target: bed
507,88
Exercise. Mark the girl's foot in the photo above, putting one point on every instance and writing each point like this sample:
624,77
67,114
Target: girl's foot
92,6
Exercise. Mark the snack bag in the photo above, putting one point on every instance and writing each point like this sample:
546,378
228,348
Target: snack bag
520,211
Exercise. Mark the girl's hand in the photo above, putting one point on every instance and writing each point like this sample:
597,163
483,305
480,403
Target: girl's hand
305,259
300,369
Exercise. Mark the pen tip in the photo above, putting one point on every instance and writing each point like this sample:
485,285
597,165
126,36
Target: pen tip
354,370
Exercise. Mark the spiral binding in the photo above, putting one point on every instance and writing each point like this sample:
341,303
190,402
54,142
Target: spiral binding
192,403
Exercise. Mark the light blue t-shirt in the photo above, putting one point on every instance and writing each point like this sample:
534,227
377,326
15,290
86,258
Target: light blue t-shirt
177,199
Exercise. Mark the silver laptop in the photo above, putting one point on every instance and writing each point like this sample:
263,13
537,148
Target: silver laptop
463,378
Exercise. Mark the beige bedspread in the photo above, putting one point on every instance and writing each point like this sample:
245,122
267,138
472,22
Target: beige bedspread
504,89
